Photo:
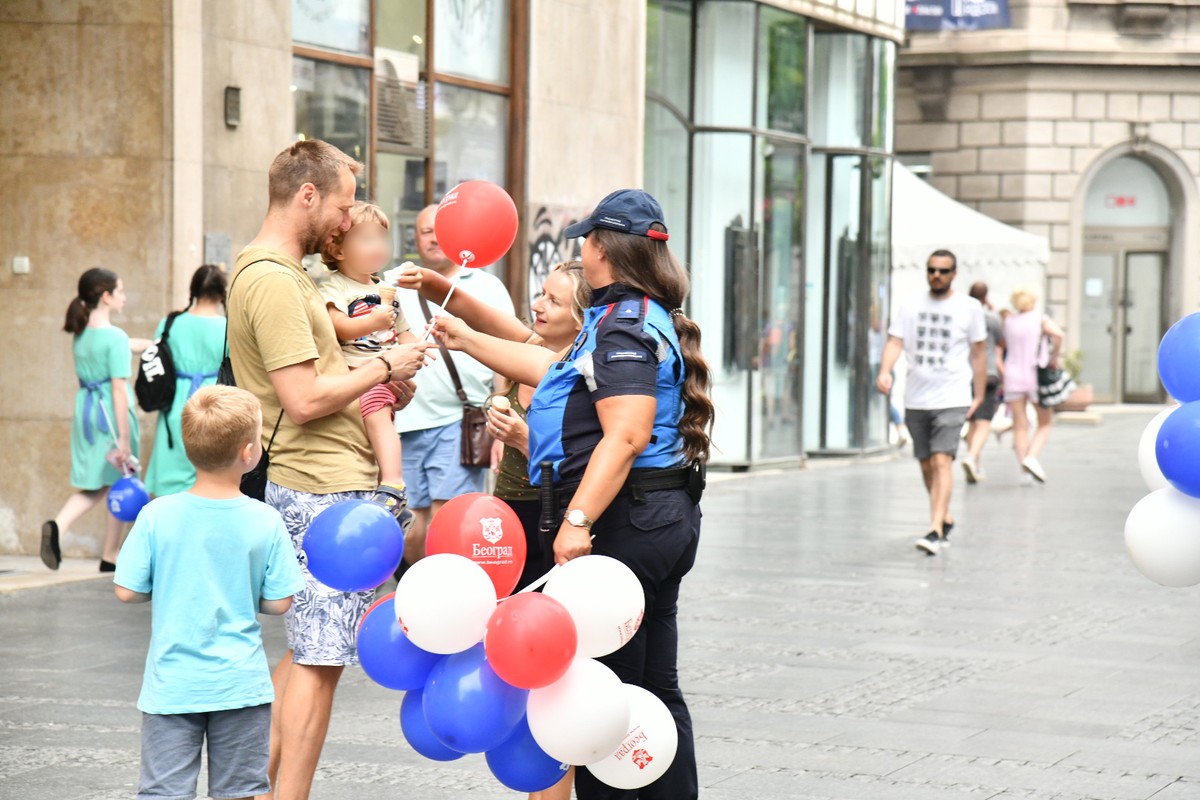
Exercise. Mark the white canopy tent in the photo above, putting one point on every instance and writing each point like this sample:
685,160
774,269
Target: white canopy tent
924,220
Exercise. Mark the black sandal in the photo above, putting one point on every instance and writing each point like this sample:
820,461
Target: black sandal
51,554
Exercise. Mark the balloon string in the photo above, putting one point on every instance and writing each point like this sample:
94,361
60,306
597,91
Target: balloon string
449,294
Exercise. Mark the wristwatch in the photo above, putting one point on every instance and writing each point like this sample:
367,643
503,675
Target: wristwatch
578,519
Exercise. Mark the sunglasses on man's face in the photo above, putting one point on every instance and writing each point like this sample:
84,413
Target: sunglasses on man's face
939,270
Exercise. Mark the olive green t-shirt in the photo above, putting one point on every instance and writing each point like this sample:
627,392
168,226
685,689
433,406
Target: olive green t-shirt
277,318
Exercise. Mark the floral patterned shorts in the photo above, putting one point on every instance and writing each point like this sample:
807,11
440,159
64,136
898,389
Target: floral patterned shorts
322,624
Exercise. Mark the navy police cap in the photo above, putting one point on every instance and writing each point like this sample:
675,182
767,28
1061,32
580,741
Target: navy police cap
626,210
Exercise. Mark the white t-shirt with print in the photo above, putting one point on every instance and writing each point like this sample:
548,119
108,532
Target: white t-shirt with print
355,299
937,335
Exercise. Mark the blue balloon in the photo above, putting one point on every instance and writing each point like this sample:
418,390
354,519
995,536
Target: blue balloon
126,498
468,707
1178,448
416,730
523,766
354,545
387,655
1178,355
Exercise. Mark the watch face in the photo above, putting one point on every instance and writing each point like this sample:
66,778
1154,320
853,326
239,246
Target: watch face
576,518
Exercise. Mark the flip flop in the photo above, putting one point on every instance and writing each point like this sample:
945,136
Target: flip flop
51,554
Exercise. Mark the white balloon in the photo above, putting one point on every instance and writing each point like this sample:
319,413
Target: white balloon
581,717
604,598
443,603
647,750
1147,458
1162,535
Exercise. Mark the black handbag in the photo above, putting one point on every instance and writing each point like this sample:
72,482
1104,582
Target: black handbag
254,482
475,443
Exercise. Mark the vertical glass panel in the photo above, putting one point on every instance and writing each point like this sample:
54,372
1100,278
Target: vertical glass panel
333,24
724,71
669,52
782,62
1143,325
838,105
471,129
814,300
843,361
883,126
471,39
666,171
725,281
779,357
876,430
333,103
1097,324
400,192
400,28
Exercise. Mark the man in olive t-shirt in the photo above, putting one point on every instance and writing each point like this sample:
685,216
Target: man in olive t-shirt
283,349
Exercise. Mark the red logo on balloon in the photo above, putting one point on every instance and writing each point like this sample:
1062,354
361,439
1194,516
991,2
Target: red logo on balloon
642,758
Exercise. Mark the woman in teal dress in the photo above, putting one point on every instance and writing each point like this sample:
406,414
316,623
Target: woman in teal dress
197,341
104,432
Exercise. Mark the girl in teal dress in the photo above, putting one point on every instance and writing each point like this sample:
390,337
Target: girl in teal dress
197,341
104,432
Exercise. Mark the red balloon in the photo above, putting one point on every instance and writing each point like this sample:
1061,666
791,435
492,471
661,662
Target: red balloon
530,640
484,529
476,223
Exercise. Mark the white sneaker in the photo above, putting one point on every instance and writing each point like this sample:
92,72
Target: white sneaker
974,475
929,544
1032,466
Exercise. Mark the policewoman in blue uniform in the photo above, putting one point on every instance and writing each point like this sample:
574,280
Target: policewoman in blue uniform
619,435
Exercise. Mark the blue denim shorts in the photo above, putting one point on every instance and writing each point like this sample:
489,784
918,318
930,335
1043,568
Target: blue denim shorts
239,745
433,467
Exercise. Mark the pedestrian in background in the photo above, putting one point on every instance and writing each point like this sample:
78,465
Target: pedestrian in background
197,343
980,423
942,335
1032,340
104,431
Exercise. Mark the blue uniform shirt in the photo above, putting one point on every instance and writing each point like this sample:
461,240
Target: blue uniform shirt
627,346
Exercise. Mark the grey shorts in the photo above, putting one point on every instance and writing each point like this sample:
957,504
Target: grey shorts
322,623
936,431
239,746
987,409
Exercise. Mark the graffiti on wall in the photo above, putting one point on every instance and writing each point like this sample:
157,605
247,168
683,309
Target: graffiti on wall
547,245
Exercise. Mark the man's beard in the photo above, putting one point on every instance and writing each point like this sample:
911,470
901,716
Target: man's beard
939,292
313,239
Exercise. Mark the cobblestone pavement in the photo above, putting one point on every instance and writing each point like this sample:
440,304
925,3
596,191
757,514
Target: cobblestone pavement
823,656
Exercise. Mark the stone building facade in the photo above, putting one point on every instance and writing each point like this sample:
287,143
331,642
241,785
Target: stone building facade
1082,123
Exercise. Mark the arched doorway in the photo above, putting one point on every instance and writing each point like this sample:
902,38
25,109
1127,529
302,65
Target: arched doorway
1127,241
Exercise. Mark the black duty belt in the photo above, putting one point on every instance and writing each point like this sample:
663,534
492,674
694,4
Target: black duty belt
555,498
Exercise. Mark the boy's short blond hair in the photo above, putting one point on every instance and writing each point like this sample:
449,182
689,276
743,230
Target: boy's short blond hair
218,421
360,213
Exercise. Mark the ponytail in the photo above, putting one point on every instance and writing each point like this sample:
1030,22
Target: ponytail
77,316
649,266
92,286
698,413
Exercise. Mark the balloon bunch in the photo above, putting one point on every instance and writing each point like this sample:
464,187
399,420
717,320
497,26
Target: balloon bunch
515,678
1162,531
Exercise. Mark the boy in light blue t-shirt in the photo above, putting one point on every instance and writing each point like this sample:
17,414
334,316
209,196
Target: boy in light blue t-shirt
209,560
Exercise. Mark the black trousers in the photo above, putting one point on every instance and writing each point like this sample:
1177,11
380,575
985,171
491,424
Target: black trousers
657,538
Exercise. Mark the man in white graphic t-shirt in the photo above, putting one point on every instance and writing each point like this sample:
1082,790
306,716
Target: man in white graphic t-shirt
942,335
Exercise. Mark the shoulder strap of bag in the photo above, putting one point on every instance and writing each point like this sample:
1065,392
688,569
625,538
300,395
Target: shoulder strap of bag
272,441
228,293
462,395
167,327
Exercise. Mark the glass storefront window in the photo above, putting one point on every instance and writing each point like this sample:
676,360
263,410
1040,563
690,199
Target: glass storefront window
669,52
333,103
471,39
343,25
883,126
879,313
724,71
666,169
400,28
839,107
471,130
783,61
